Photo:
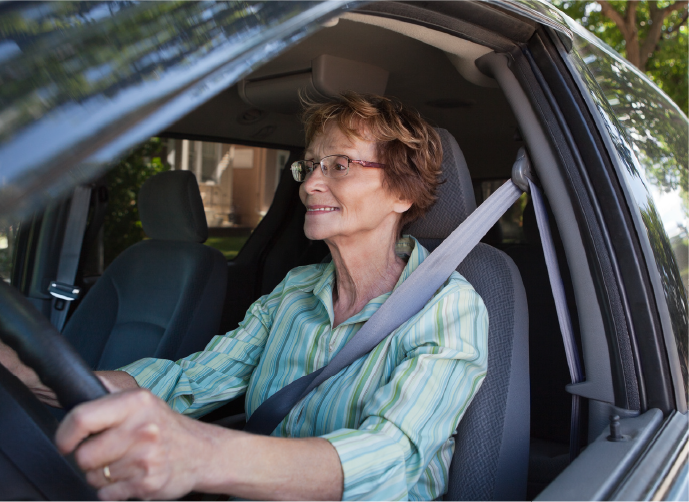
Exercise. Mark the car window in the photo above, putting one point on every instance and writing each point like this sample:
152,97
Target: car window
121,225
509,228
653,147
237,185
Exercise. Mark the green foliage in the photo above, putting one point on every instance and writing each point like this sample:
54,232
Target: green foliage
228,246
668,66
122,225
588,14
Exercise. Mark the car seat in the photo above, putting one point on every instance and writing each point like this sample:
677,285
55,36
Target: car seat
492,441
162,297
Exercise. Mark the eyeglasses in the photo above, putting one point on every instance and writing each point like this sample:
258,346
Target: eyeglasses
332,166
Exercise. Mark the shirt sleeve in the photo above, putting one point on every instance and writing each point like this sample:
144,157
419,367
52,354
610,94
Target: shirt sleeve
201,382
442,363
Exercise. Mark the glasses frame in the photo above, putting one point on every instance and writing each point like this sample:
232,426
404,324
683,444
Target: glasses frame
363,163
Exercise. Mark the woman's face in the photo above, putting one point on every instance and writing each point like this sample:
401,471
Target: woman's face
353,206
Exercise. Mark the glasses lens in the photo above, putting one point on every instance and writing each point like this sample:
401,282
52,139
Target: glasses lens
298,170
336,166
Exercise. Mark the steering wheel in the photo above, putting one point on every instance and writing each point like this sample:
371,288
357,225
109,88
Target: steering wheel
27,429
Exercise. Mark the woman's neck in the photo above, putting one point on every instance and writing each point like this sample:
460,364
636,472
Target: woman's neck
365,268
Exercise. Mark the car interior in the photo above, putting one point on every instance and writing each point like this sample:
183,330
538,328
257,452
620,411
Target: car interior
121,318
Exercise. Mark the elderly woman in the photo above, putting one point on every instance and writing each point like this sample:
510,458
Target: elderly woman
381,429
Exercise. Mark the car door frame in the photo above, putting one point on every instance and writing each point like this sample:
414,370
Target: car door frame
651,459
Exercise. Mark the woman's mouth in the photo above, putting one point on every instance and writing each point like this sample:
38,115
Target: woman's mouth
320,209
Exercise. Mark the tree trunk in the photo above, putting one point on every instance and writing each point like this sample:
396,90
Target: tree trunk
632,39
638,53
653,36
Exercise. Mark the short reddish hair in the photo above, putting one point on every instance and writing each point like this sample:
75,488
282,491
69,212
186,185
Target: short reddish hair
408,146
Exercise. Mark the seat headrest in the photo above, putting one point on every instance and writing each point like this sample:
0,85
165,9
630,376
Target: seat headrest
171,209
456,198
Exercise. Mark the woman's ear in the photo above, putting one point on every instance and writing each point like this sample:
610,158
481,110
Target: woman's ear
402,206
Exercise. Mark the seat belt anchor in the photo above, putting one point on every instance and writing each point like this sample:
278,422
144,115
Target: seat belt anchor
67,292
521,170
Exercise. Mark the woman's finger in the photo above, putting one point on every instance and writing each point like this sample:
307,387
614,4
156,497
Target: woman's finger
104,413
130,479
119,490
117,472
113,444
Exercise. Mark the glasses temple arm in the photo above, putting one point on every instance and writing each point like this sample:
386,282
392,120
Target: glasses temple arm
367,164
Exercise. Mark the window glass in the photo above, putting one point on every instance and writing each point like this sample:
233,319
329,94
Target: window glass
651,137
237,186
509,228
122,226
7,241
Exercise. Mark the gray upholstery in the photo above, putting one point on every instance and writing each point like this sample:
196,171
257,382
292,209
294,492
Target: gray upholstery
492,441
496,425
456,198
161,297
171,209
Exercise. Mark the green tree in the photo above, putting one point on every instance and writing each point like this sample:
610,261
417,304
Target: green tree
652,35
122,225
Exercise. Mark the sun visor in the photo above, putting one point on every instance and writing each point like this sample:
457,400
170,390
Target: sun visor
327,77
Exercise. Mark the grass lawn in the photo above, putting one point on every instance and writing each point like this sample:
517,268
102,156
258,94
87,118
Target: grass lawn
228,246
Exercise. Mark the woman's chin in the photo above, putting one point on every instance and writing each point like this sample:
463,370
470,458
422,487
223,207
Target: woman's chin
316,234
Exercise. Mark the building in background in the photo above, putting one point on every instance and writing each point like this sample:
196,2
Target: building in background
237,185
237,182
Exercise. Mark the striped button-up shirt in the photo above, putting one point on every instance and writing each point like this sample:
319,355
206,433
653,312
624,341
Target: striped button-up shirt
390,415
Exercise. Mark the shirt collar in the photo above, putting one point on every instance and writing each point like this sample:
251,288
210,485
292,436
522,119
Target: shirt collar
407,248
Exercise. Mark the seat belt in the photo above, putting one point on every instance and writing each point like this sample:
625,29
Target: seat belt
411,296
576,372
62,288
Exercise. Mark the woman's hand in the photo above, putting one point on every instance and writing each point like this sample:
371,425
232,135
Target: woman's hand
114,381
10,360
150,451
153,452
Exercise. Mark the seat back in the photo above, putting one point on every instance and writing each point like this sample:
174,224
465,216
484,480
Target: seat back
492,441
162,297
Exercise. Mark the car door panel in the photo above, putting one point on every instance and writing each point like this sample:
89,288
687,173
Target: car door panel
604,464
660,472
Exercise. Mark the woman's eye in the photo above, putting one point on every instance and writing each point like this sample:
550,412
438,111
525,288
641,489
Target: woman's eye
340,167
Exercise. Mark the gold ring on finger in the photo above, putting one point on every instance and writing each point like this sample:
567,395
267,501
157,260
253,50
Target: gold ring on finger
106,473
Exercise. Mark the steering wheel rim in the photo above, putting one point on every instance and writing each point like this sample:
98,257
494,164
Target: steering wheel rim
41,347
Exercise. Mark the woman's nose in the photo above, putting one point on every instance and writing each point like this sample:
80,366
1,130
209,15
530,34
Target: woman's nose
315,181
